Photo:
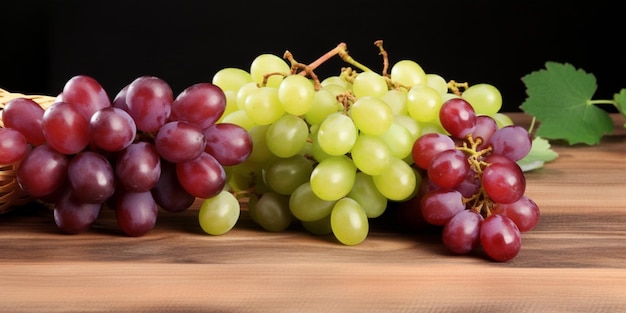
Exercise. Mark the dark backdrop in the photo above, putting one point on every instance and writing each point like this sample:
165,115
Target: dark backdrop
44,43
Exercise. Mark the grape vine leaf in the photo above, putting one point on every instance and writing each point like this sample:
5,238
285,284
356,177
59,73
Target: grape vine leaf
559,98
540,153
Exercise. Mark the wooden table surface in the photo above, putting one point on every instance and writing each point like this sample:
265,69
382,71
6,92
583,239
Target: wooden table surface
573,261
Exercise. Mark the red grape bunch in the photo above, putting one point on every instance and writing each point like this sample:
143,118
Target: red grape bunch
472,187
142,151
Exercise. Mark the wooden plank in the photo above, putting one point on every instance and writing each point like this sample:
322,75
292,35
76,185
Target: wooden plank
308,287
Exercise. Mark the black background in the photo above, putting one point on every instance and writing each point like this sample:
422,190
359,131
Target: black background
44,43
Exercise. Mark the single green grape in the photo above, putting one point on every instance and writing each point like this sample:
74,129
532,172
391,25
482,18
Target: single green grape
369,84
371,115
398,182
423,103
265,64
336,80
367,195
271,211
333,177
408,73
231,78
306,206
284,175
296,94
239,117
485,98
335,90
370,154
396,100
243,92
426,128
324,103
502,119
336,134
399,140
410,124
263,106
437,82
287,136
260,152
349,222
219,214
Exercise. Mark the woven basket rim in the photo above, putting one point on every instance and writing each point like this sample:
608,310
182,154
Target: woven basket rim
6,96
11,195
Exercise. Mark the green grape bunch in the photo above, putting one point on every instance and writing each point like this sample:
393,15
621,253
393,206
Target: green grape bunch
332,153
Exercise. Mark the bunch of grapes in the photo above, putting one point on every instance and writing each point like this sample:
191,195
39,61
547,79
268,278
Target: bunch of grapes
328,154
332,154
472,185
142,151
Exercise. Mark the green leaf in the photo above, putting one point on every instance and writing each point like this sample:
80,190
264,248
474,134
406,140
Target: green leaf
540,153
559,98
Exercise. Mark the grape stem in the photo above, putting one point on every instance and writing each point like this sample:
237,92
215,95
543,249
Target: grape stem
315,64
295,65
473,154
532,125
342,50
343,54
242,194
267,76
480,201
391,84
455,87
614,103
595,102
383,52
348,74
346,99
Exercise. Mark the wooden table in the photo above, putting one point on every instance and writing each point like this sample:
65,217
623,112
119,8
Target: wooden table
573,261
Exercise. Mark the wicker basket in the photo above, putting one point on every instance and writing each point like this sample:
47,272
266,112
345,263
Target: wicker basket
11,196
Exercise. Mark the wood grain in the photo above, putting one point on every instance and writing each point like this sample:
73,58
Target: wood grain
573,261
